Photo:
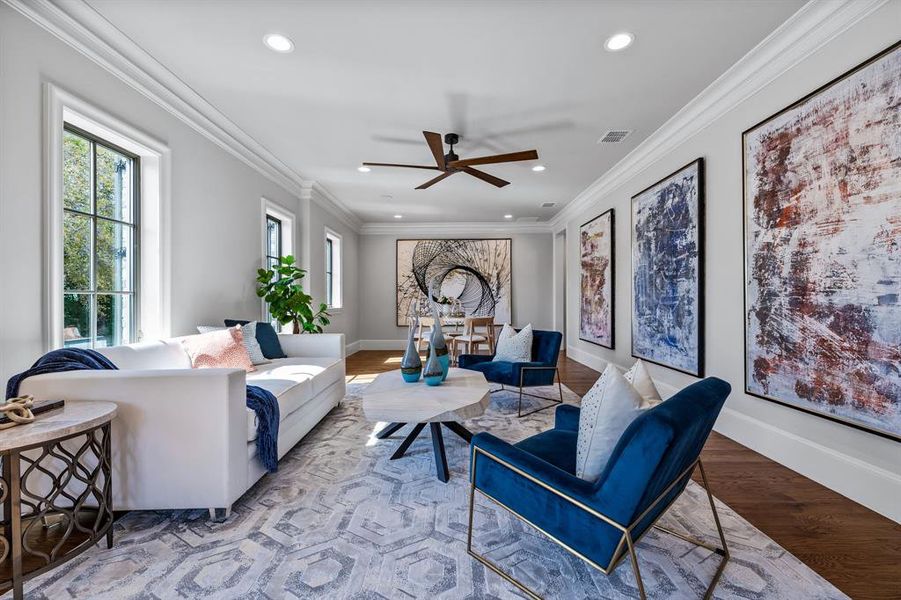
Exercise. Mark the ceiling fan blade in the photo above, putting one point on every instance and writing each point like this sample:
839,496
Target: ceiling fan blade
497,158
486,177
372,164
432,182
437,148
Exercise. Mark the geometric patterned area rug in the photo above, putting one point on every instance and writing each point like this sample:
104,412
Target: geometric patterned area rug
340,520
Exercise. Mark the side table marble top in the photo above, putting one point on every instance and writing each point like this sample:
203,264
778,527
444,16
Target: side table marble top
73,418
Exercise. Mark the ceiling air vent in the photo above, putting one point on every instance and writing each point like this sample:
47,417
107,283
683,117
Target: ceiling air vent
614,136
548,204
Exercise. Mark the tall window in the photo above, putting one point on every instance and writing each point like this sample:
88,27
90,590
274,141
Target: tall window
100,242
332,269
273,241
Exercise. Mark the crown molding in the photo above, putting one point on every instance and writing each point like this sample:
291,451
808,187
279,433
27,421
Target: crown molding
810,28
80,26
331,204
462,228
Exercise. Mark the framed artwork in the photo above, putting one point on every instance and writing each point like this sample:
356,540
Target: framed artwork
668,271
596,284
822,222
478,274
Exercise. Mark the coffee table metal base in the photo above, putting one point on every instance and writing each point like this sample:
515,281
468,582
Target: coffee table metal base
437,442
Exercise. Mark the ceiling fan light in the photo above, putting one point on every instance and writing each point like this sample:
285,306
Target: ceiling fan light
619,41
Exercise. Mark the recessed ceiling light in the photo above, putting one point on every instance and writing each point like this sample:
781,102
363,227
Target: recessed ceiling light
278,43
538,168
363,169
398,216
508,216
619,41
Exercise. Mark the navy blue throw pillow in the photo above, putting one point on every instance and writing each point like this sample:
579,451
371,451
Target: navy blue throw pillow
266,337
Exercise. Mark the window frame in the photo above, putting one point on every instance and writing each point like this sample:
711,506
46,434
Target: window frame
94,217
333,271
59,106
271,210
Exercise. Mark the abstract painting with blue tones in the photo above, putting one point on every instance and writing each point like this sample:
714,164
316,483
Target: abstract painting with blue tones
667,271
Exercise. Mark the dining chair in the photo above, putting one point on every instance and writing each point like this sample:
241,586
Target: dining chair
476,331
424,333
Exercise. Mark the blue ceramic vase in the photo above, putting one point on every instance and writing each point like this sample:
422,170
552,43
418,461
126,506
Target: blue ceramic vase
411,364
433,374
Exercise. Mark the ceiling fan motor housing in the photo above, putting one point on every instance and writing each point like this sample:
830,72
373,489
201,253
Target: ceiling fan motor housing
450,139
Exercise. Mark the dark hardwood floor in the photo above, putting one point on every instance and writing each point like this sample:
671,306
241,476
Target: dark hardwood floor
854,548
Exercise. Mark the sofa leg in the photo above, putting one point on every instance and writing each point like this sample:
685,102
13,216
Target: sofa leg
218,515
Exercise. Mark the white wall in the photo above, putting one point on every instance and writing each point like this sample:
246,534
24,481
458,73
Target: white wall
862,466
215,202
316,220
532,289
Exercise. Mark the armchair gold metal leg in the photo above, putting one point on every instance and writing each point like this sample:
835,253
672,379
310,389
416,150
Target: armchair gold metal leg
522,393
635,568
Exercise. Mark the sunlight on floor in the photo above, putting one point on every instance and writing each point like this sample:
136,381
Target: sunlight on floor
360,378
394,360
372,440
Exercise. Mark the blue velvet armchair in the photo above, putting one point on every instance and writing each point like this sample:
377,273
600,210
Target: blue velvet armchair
540,371
602,522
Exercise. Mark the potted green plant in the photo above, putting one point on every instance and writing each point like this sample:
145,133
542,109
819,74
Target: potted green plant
280,287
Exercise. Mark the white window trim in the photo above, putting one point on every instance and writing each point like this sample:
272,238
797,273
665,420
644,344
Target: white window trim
270,208
62,107
337,270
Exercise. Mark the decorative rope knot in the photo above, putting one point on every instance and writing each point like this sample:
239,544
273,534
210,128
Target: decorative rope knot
18,410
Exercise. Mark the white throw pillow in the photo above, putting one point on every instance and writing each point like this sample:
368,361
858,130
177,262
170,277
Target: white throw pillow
608,409
249,331
512,346
641,380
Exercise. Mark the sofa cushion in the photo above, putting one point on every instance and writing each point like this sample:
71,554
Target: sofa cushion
265,335
158,354
294,382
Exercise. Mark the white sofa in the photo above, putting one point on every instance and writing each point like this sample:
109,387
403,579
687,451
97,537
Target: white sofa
184,438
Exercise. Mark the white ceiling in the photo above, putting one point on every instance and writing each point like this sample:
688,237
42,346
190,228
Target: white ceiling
367,77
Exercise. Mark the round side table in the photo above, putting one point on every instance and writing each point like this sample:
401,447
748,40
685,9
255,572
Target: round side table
56,490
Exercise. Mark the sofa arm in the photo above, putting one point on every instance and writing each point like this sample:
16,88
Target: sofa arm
179,437
466,360
567,418
312,344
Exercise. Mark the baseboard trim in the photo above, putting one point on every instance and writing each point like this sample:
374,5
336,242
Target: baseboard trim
864,483
351,348
382,344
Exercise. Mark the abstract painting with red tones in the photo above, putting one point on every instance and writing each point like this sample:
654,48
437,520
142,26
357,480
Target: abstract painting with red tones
822,182
596,286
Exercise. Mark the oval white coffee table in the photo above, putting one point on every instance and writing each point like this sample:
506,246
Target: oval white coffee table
463,395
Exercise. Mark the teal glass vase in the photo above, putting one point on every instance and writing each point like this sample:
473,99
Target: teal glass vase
411,364
438,343
433,374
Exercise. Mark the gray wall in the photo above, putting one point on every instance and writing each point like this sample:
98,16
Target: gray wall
860,465
344,320
532,285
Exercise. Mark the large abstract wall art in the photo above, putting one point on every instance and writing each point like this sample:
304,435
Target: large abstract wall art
476,273
822,204
668,271
596,285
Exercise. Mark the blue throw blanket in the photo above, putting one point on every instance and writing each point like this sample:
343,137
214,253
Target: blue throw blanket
261,401
57,361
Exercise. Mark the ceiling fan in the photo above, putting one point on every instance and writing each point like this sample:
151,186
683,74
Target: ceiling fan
450,163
